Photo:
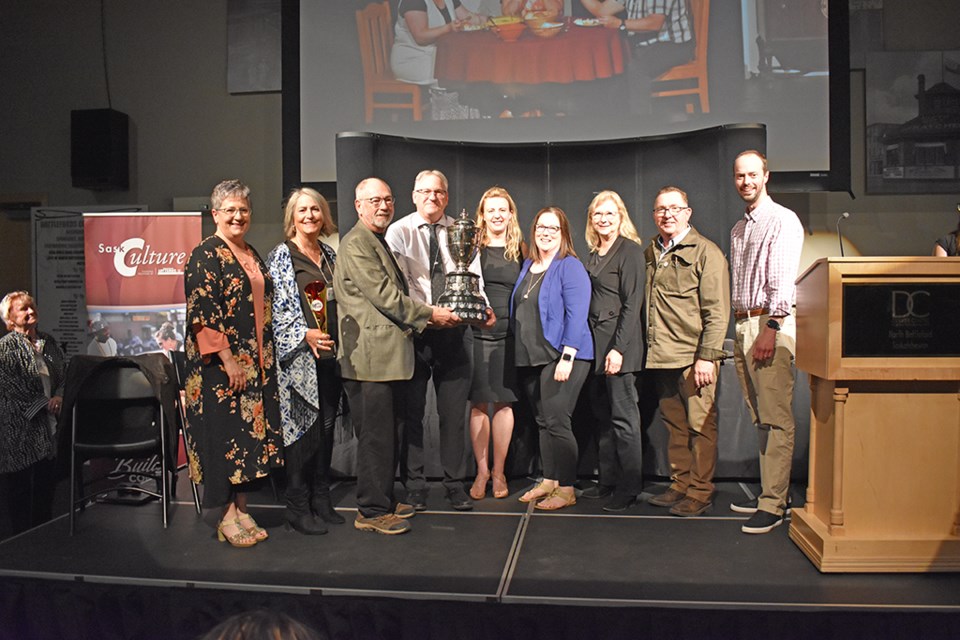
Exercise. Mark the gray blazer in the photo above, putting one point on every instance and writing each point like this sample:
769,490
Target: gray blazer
377,317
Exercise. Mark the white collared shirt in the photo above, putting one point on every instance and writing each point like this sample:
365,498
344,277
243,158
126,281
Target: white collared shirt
409,240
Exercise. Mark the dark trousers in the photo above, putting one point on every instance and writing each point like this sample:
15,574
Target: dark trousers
28,495
647,64
615,407
374,406
553,404
309,457
446,356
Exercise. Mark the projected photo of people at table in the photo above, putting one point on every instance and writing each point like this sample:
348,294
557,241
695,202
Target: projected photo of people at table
578,69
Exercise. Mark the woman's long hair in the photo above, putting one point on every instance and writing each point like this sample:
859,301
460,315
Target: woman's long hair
514,244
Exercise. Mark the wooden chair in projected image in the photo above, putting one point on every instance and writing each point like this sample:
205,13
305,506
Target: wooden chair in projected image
694,71
381,89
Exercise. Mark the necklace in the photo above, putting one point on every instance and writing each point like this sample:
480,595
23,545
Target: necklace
530,287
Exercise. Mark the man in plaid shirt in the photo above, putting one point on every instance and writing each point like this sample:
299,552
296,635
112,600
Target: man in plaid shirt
661,33
765,250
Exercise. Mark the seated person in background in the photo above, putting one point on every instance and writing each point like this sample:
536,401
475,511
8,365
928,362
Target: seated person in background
520,7
662,37
949,245
420,23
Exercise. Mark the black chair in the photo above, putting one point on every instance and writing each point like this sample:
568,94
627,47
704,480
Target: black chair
116,413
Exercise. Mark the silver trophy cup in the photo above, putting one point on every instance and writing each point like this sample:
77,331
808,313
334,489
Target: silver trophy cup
462,288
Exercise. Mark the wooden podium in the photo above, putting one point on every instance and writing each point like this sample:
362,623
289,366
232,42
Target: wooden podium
880,338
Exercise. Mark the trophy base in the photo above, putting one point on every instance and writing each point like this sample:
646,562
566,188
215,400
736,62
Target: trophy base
463,298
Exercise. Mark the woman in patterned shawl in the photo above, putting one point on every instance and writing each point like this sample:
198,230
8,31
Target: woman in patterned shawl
234,434
310,386
31,394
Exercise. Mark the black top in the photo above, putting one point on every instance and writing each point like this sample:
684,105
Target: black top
305,272
499,276
616,302
949,243
532,349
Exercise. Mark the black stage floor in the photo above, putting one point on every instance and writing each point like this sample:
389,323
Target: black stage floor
502,553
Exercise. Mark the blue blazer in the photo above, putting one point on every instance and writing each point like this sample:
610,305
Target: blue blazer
564,305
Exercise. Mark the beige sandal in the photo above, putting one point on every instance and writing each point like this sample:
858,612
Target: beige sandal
537,493
557,500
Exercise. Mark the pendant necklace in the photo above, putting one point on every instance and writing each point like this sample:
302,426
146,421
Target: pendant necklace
531,286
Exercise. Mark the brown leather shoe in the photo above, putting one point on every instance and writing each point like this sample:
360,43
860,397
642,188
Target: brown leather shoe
668,498
690,507
388,524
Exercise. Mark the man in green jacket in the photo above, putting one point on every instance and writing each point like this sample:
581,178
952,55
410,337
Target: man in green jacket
377,321
687,313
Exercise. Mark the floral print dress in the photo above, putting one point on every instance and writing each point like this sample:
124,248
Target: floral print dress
232,437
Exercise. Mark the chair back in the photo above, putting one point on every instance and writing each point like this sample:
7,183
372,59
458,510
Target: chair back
701,29
375,31
116,409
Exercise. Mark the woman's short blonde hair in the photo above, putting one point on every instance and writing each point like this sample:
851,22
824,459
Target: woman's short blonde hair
9,300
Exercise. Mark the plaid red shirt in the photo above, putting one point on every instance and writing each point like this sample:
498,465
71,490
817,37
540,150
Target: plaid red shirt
765,250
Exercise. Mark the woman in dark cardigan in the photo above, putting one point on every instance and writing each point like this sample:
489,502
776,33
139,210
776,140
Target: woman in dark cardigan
32,368
231,390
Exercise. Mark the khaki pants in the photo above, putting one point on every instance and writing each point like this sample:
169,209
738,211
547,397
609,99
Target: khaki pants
691,420
768,391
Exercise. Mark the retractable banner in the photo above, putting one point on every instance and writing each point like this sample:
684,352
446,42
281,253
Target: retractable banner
133,265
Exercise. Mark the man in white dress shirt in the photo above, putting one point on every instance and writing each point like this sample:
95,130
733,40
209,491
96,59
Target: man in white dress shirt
419,242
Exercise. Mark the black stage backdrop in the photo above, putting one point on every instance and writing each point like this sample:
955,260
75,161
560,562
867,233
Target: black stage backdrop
568,175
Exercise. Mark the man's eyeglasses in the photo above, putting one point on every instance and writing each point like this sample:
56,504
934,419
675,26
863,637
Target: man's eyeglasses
232,211
672,210
426,193
547,228
376,202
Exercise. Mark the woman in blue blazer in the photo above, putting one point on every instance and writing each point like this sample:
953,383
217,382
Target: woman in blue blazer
554,347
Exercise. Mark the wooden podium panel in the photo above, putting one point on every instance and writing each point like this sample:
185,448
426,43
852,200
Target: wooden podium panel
884,478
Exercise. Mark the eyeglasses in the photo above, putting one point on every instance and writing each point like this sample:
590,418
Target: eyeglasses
376,202
672,210
547,228
232,211
426,193
598,215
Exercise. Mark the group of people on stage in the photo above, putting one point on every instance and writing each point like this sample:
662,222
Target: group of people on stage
266,369
268,362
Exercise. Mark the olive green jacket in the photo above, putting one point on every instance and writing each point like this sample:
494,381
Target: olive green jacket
686,302
377,317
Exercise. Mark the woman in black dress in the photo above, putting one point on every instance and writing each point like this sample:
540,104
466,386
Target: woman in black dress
304,319
494,376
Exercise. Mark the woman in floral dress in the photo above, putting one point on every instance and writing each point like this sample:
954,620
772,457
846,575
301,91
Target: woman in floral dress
234,424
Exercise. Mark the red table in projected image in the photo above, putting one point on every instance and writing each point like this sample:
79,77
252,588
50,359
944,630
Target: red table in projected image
579,54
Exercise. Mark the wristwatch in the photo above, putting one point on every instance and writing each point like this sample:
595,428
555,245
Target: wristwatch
623,25
567,357
773,324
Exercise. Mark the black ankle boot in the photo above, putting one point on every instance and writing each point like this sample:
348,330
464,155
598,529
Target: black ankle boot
323,508
298,514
